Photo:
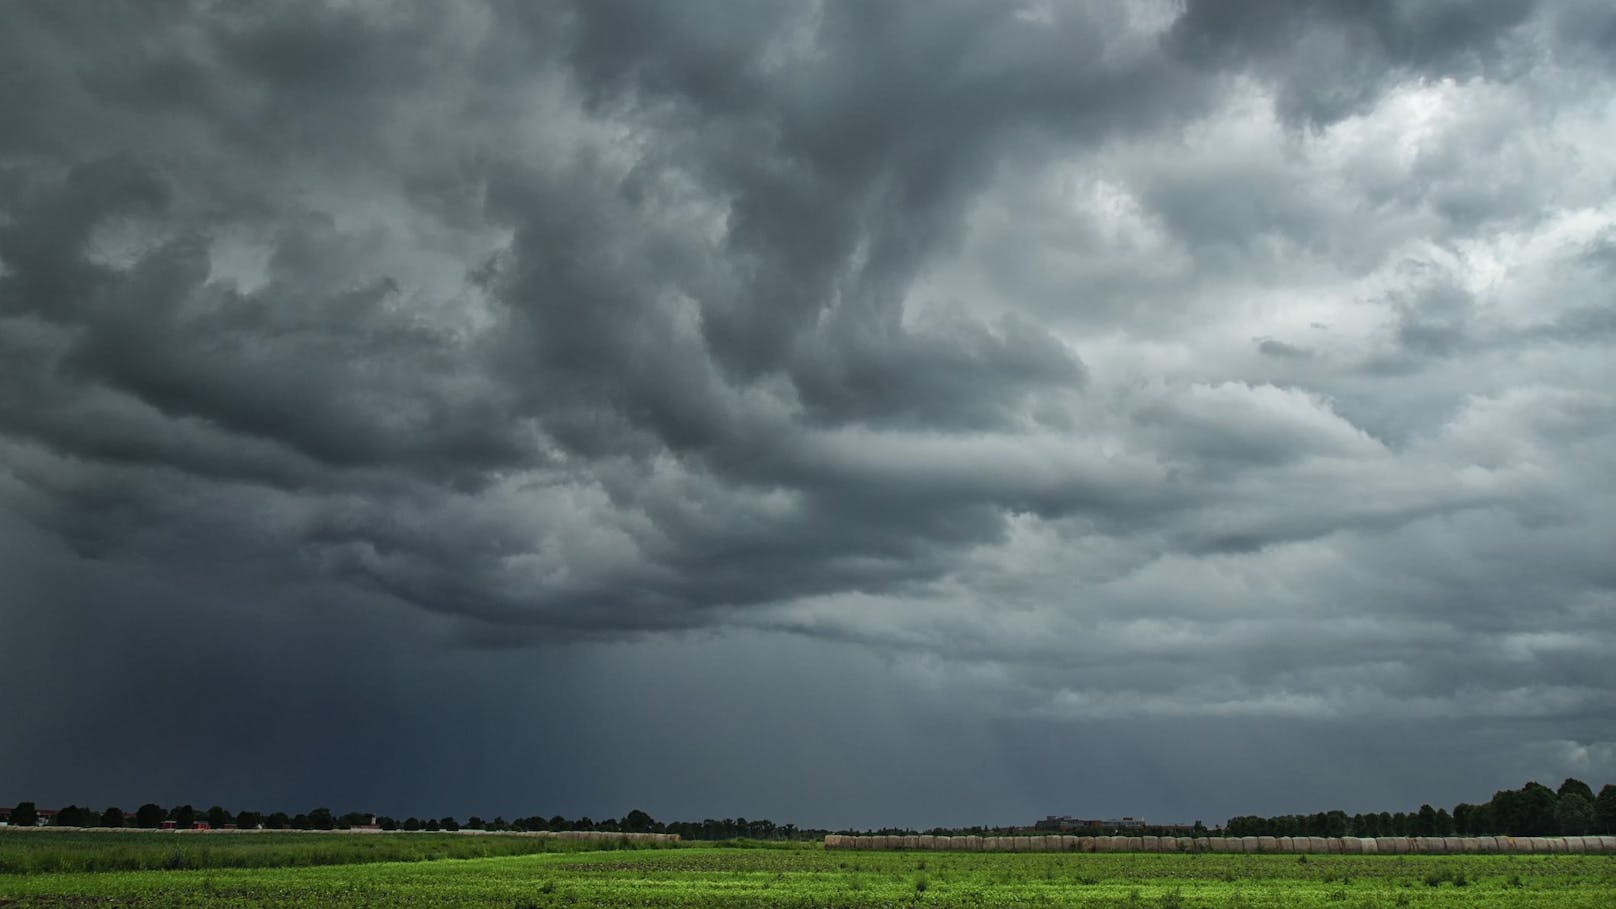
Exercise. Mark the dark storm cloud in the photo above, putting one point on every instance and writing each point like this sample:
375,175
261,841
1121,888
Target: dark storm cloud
1049,367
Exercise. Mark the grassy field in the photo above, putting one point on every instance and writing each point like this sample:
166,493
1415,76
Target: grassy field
708,876
36,851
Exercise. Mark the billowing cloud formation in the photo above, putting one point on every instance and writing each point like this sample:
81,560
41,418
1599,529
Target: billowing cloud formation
1093,363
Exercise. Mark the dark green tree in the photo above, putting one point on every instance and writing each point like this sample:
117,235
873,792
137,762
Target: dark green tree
112,817
321,819
1425,822
26,814
1605,809
1572,784
1444,822
412,823
1573,814
249,820
218,817
73,816
277,821
150,816
183,817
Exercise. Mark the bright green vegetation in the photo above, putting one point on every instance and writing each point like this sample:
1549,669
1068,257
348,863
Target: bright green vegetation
708,876
35,851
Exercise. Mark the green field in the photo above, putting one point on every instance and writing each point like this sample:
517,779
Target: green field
807,876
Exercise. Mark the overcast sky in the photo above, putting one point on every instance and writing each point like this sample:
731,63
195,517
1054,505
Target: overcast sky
843,413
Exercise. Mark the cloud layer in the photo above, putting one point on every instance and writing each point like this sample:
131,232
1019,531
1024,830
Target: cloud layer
1078,366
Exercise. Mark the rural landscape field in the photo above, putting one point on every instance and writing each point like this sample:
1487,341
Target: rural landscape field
929,453
48,868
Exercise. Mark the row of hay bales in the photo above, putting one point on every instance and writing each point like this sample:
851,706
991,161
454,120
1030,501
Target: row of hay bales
1344,845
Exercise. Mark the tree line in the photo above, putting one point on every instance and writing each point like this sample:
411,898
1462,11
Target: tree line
152,816
1532,810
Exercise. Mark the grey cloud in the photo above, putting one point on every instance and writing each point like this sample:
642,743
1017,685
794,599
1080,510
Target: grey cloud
970,354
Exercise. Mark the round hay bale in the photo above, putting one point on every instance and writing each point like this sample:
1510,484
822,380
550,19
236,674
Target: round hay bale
1218,844
1368,845
1086,844
1351,845
911,841
1136,844
1069,842
1453,845
927,841
1285,844
1470,844
1486,844
1150,843
1607,844
1575,844
1267,844
1301,844
1334,844
1248,844
1318,844
1186,844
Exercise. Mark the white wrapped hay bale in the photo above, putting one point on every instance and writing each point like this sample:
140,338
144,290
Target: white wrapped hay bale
1318,844
1301,844
1087,844
1368,845
1285,844
1069,842
1149,843
1248,844
1607,844
1351,845
1267,844
1136,844
1453,845
1470,844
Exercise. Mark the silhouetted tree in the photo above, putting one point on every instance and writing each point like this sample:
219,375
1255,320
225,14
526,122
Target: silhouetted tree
73,816
1605,809
150,816
26,814
1574,785
112,817
1574,814
218,817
